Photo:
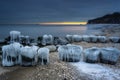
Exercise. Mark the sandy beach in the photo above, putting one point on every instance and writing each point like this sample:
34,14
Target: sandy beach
59,70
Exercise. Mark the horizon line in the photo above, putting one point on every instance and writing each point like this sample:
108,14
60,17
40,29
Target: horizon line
62,23
48,23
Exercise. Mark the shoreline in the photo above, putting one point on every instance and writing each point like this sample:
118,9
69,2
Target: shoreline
63,31
58,69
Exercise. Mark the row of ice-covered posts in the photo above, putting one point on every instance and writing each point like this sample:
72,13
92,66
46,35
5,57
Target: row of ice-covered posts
92,38
16,54
26,55
75,53
16,36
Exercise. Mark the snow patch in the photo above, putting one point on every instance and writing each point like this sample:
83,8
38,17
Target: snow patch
97,71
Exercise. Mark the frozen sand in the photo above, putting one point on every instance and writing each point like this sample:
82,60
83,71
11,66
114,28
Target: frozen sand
97,71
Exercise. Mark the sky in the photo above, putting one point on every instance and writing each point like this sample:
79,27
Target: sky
34,11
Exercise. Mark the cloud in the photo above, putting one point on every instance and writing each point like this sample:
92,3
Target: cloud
47,10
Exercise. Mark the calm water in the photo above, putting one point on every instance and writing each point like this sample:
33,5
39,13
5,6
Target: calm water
37,30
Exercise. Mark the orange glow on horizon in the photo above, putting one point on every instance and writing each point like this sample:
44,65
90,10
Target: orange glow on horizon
63,23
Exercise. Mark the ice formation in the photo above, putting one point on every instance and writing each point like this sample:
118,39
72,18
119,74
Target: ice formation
27,39
47,39
14,36
69,38
24,39
97,71
91,38
86,38
107,55
70,53
29,55
94,38
110,55
21,37
11,54
60,41
76,38
92,54
43,55
114,39
102,39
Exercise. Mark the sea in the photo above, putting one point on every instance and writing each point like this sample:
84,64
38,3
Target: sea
35,31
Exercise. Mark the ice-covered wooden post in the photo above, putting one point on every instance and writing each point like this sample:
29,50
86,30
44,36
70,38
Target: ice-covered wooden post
114,39
92,55
86,38
27,39
14,36
70,53
28,55
110,55
76,38
43,55
11,54
47,39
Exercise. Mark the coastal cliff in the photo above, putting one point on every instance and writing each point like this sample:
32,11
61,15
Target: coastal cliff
107,19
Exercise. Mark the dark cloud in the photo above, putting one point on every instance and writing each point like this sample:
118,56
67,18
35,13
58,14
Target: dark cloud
27,11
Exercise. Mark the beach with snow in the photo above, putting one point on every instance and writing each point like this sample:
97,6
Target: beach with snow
61,70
